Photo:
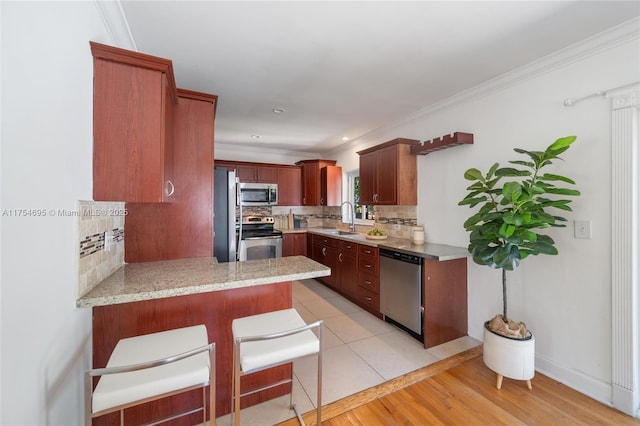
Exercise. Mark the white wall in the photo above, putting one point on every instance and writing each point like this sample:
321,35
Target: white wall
564,299
47,104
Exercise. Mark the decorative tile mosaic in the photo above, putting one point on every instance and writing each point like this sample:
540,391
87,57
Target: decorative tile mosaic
94,243
94,263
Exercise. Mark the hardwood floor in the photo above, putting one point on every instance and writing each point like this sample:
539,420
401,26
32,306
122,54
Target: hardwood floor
461,391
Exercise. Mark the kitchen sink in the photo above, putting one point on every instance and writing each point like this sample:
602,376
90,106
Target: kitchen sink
339,232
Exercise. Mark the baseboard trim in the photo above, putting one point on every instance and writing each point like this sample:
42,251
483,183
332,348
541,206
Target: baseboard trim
596,389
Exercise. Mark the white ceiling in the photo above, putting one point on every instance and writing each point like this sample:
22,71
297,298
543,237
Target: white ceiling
346,68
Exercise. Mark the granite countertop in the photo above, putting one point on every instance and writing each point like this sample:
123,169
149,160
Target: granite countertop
153,280
440,252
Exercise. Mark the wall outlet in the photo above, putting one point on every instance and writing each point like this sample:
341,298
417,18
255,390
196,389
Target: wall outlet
396,226
108,240
582,229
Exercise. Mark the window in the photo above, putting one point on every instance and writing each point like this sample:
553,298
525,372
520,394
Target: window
363,213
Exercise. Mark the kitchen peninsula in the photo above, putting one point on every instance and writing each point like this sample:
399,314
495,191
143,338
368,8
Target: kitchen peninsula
141,298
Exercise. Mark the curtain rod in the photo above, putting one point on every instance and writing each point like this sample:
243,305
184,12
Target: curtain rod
572,101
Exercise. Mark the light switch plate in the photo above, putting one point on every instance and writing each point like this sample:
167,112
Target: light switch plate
582,229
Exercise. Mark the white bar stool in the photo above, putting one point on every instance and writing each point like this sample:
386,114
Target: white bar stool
153,366
267,340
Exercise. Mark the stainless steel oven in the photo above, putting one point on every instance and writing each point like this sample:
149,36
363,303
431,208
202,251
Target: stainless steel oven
259,194
258,239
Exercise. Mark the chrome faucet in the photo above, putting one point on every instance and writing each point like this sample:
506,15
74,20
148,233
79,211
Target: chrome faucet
352,227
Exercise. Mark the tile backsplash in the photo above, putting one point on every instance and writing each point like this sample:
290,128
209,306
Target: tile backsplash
396,221
94,262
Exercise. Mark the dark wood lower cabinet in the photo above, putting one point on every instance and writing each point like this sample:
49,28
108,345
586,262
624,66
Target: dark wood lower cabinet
347,269
354,270
445,300
328,256
355,274
294,244
216,310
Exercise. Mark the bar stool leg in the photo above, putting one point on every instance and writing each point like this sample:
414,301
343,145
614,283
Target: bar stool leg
236,383
319,400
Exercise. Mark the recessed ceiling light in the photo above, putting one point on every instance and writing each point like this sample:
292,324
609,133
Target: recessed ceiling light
255,136
278,110
345,138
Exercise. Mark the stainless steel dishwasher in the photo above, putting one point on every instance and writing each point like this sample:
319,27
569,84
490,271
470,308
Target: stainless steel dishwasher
401,291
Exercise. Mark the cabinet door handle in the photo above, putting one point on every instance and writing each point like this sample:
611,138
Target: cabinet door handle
368,282
324,251
367,265
321,201
340,257
368,299
169,188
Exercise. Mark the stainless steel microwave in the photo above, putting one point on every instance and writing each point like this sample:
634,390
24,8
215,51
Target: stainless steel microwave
258,194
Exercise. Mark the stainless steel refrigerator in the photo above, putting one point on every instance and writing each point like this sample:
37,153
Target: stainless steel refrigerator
225,243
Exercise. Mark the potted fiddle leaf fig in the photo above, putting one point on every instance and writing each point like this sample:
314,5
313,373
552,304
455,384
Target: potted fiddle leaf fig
515,205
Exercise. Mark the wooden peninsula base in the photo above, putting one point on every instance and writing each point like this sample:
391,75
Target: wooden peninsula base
215,309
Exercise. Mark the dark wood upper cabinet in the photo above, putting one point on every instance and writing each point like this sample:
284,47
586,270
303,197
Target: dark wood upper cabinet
331,186
253,173
289,186
153,143
312,194
287,177
134,99
184,228
388,174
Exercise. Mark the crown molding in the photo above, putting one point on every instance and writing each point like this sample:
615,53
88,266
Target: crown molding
116,23
593,45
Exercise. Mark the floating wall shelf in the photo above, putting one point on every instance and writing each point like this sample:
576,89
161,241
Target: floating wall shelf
447,141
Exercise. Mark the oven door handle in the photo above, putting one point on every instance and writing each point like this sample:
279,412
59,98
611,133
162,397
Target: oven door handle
273,237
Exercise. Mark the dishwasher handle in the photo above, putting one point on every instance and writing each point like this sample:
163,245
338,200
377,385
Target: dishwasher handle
402,257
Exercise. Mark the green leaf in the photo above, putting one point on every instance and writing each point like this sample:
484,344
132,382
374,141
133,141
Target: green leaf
491,183
476,186
512,218
545,238
511,172
506,230
552,177
536,156
560,145
544,248
472,202
473,220
563,191
507,257
558,204
523,163
492,170
511,191
473,174
529,236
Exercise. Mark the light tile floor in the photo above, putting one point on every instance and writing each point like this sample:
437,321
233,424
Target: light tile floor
359,351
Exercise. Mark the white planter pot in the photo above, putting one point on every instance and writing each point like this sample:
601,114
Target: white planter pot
509,357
